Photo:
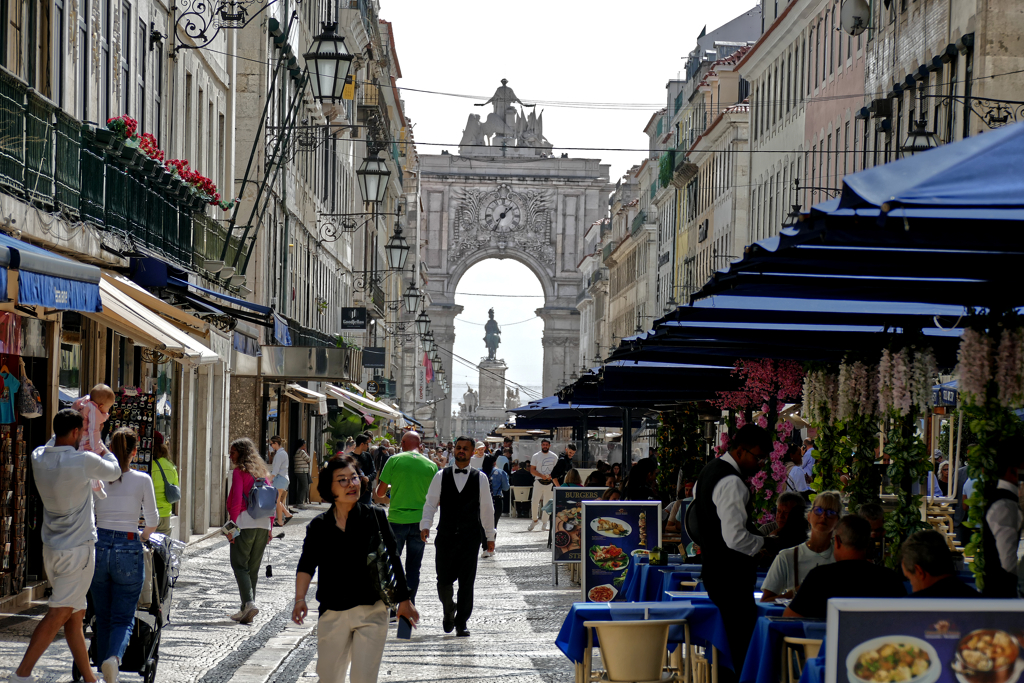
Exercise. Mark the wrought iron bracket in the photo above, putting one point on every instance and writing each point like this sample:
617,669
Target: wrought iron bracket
201,21
308,138
331,226
827,191
993,113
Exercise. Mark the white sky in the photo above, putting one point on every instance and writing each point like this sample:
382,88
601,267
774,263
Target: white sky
549,50
553,50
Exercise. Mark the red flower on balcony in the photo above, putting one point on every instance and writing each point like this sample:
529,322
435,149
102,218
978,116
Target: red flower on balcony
124,125
148,145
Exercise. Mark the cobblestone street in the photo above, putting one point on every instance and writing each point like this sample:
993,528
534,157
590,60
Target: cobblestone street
516,617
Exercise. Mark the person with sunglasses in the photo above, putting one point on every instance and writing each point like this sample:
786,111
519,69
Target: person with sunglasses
720,523
793,564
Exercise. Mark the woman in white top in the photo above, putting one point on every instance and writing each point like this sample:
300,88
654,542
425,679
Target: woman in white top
117,580
792,565
279,476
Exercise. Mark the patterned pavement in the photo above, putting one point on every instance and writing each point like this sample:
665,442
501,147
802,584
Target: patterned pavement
516,616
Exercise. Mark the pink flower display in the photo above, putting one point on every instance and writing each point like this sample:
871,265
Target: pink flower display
905,380
975,366
1009,362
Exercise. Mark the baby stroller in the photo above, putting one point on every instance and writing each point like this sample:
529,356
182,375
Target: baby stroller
143,652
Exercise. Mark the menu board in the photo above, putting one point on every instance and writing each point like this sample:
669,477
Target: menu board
925,641
612,531
568,528
137,411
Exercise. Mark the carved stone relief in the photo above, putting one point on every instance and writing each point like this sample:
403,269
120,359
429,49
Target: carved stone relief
503,218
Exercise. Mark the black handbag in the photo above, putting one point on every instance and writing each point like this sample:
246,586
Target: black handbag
381,565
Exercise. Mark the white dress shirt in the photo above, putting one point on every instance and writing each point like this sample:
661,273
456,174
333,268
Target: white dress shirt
544,462
1004,520
434,500
796,480
808,463
730,498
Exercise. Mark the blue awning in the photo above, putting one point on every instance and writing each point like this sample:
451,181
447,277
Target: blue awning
281,333
243,343
49,280
411,420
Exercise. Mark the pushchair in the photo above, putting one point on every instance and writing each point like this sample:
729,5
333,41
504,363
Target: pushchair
143,652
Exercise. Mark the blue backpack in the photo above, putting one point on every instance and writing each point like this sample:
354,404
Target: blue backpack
261,501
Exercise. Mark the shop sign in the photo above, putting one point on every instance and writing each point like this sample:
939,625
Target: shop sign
421,384
615,532
373,387
568,529
353,318
373,356
924,641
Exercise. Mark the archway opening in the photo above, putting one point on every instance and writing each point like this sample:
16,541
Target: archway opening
515,294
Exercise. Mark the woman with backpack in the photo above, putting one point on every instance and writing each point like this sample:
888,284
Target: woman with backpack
253,532
165,484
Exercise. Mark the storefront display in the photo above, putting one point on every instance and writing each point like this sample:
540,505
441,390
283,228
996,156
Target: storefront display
568,531
137,411
13,505
615,533
925,641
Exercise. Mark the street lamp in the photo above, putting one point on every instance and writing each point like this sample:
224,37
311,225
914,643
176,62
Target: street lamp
920,139
412,298
373,176
329,63
422,323
428,342
397,252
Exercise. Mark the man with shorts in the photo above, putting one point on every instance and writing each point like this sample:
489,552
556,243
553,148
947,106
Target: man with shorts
62,474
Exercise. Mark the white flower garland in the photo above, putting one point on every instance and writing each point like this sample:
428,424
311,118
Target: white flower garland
905,380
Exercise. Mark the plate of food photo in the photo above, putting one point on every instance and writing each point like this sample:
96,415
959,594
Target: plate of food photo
612,528
988,656
893,659
603,593
610,558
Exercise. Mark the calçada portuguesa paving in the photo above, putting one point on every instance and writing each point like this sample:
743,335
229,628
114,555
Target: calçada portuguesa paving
516,617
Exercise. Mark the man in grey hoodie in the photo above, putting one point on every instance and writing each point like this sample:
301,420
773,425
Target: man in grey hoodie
62,474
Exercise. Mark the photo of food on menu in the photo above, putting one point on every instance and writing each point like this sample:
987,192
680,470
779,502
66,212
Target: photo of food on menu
566,540
614,535
926,646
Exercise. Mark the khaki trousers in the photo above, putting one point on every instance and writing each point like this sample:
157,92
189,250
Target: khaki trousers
542,493
354,636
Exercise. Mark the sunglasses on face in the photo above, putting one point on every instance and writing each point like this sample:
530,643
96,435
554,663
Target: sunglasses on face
824,512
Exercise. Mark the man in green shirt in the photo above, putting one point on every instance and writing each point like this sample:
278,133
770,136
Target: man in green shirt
409,474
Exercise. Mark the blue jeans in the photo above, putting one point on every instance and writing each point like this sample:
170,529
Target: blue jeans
116,585
410,533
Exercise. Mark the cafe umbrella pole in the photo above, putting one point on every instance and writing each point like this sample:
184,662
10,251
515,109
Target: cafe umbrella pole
627,441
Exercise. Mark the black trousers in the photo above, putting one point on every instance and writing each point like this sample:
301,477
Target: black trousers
732,592
456,560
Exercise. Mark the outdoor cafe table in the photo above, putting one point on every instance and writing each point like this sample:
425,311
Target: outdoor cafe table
702,616
648,583
764,658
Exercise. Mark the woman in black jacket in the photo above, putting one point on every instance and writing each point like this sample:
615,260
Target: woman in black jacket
353,624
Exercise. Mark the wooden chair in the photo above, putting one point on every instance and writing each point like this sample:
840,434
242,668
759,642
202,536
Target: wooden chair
635,651
801,649
520,494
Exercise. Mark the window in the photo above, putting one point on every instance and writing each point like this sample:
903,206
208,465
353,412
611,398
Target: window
837,158
789,81
186,150
832,56
817,52
140,75
846,148
159,92
968,76
200,135
126,52
59,46
826,176
82,63
814,166
771,106
798,62
227,190
950,106
105,80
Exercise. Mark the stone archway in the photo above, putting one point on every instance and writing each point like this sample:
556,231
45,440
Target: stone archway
533,210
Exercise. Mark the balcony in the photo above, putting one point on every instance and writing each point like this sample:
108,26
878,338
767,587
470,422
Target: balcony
606,251
638,222
597,276
582,296
49,159
373,112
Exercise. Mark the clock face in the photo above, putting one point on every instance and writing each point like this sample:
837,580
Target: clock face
502,215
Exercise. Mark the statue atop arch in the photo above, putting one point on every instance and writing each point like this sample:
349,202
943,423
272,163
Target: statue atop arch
492,335
507,131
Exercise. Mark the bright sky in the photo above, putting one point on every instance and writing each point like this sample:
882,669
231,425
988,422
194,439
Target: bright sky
562,50
520,341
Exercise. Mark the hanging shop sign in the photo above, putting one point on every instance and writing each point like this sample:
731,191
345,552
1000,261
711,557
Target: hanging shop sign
615,532
373,387
353,318
373,356
568,530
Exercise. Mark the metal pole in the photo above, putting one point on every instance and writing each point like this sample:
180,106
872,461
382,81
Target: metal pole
627,441
585,459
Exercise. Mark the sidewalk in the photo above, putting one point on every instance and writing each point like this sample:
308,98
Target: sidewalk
517,615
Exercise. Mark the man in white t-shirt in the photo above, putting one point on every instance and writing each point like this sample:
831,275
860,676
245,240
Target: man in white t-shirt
541,466
477,460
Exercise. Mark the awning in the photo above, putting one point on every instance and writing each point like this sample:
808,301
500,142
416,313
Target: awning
173,314
281,332
361,404
135,320
47,279
304,395
412,420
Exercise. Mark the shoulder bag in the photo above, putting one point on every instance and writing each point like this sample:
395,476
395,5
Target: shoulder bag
172,493
381,566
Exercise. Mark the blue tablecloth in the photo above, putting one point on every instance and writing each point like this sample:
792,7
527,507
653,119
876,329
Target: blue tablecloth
706,627
814,670
764,658
641,585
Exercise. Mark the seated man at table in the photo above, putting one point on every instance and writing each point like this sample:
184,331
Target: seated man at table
928,565
852,575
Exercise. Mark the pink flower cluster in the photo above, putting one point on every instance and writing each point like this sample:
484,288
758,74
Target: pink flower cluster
905,380
983,361
1010,368
858,390
975,365
764,380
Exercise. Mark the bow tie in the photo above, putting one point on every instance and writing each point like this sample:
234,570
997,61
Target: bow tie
458,471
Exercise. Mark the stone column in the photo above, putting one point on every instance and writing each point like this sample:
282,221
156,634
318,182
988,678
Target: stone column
442,322
561,343
492,385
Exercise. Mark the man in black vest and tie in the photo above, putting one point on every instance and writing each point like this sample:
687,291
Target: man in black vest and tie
1003,521
728,539
467,517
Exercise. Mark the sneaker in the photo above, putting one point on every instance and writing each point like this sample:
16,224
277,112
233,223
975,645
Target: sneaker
109,669
15,678
237,615
533,525
249,614
487,553
544,527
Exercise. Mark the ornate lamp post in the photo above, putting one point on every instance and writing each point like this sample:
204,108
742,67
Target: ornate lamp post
329,63
412,298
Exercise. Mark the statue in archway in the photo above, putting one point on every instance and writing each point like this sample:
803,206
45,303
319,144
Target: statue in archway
471,401
511,398
492,335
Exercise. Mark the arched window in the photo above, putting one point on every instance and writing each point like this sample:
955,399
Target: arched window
817,52
832,56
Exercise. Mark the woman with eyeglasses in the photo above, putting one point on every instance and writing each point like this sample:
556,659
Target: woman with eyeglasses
793,564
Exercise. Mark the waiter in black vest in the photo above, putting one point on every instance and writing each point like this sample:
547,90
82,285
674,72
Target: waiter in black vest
467,517
729,541
1003,521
